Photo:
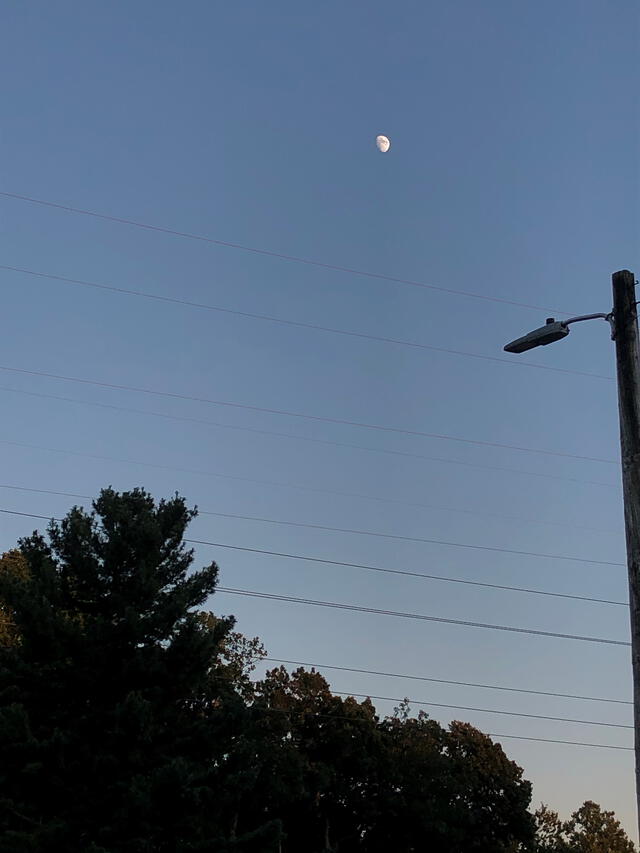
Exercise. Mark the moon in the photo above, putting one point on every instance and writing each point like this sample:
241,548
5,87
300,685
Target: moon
382,143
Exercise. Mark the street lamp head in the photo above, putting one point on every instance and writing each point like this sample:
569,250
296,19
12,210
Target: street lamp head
548,334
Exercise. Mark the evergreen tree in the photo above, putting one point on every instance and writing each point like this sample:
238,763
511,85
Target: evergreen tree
113,724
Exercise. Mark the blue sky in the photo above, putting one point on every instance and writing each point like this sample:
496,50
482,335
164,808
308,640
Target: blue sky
512,174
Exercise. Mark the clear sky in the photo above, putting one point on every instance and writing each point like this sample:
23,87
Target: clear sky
513,173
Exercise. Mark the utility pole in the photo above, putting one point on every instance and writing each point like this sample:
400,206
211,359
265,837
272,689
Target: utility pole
624,331
625,335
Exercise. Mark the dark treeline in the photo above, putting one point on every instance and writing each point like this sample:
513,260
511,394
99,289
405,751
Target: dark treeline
129,723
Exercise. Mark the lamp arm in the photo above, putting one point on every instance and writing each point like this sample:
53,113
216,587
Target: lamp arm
608,317
586,317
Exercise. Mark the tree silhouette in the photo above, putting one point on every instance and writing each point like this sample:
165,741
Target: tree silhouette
110,715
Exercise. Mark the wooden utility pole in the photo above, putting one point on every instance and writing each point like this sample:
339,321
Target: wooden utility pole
625,334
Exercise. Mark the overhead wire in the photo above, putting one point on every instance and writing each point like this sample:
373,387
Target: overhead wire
337,331
268,253
411,701
430,679
304,416
407,573
419,539
355,719
568,742
293,437
173,300
485,710
420,616
298,487
376,611
443,705
363,566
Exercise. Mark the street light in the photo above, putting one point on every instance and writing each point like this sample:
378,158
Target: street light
551,332
623,320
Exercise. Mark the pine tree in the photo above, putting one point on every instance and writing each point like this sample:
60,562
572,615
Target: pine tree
113,724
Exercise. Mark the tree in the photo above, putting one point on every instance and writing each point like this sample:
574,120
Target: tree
590,829
14,567
400,784
113,724
550,837
238,655
448,790
329,747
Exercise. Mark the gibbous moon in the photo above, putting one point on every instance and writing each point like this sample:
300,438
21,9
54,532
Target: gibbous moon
383,144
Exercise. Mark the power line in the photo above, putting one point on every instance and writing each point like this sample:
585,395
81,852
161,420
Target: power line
289,436
44,491
421,539
366,567
568,742
373,610
500,711
298,486
157,465
304,416
379,612
354,719
408,573
423,678
29,515
447,681
265,252
485,710
353,531
297,323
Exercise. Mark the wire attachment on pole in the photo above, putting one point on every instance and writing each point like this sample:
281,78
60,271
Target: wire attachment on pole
611,320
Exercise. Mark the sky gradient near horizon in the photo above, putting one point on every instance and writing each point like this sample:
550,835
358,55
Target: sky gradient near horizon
513,174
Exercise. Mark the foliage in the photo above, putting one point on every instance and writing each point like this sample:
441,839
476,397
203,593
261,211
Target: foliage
590,829
238,655
550,837
14,567
399,784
